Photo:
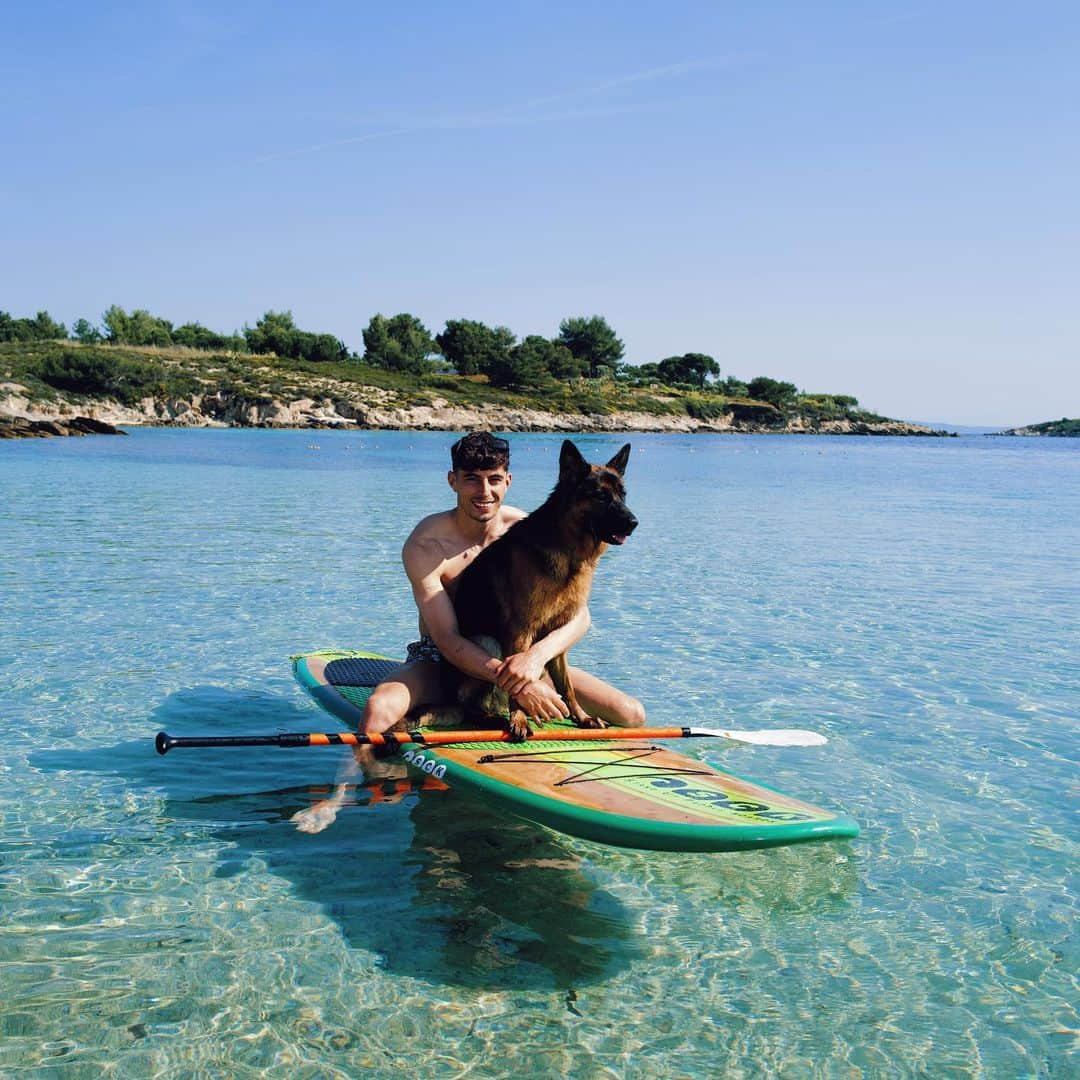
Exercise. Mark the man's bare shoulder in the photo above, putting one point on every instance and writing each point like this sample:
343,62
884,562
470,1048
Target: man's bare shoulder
439,527
438,539
432,541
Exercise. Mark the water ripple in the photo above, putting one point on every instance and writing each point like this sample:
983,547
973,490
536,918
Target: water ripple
915,600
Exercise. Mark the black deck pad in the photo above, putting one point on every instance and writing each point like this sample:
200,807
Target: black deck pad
359,671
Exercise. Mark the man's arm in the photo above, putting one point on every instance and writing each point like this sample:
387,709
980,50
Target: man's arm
423,559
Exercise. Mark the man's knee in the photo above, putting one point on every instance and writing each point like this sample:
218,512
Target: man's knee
633,712
386,707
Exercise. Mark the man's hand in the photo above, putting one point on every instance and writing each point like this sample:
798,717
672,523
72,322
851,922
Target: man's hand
541,701
517,671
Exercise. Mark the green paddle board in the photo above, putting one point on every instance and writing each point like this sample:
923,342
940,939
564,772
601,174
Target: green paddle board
634,793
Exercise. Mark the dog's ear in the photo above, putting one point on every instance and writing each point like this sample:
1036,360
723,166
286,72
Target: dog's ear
620,460
572,465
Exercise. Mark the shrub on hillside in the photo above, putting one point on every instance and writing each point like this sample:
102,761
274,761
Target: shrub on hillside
97,373
701,409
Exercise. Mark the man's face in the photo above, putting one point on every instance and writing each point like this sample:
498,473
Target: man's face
480,492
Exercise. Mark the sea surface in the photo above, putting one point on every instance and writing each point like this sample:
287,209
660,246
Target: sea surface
915,600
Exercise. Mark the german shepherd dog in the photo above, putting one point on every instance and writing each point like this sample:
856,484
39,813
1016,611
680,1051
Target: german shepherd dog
538,575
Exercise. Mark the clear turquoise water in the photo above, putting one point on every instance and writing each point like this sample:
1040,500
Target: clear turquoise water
916,600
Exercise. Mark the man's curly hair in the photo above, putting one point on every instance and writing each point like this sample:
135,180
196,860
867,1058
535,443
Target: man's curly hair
480,450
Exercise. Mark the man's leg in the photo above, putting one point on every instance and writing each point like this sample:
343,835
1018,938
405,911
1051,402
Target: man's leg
600,699
411,686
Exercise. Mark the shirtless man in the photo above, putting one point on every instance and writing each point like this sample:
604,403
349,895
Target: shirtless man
435,554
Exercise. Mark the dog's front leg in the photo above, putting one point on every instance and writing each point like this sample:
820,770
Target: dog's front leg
484,701
560,676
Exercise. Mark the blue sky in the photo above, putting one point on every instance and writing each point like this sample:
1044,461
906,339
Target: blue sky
877,199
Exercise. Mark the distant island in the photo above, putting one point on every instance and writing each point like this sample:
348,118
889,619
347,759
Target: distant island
139,369
1056,428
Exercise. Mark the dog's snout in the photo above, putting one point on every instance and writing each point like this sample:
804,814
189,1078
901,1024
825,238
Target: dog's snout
631,523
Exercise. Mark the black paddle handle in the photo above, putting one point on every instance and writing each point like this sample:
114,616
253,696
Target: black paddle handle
164,742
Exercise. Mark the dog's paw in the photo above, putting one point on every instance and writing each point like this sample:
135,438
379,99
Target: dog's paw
518,726
590,722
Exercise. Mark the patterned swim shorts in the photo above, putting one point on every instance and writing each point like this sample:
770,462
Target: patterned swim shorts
424,649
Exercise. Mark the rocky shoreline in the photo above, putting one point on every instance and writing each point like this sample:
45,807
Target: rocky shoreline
21,417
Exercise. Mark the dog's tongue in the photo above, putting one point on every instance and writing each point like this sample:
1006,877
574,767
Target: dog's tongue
618,538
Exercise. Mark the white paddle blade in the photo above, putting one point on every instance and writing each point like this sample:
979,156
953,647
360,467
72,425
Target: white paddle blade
774,737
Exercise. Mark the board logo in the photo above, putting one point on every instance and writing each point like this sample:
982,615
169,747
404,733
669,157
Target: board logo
723,801
418,761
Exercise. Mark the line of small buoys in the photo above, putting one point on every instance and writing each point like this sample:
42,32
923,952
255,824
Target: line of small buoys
349,446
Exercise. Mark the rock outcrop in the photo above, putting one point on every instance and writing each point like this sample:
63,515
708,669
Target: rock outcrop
21,427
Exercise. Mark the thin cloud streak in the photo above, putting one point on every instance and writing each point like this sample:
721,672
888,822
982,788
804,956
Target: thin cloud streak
648,75
524,112
332,145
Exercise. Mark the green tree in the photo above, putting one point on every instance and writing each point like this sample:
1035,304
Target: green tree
147,329
401,343
325,349
593,341
86,332
193,335
473,348
42,327
115,320
781,395
525,366
732,387
670,370
642,374
700,367
275,332
692,369
562,363
196,336
377,343
138,328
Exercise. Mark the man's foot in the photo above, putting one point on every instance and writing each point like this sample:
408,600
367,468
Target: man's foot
324,813
320,816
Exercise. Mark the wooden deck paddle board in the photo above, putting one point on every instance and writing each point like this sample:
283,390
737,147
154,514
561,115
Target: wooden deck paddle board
630,793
